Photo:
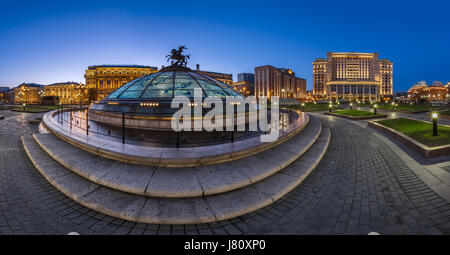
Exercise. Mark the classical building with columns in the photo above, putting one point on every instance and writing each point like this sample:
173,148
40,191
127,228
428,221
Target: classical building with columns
353,76
66,93
104,79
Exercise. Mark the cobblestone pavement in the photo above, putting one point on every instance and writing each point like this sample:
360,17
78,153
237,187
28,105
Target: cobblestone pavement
360,186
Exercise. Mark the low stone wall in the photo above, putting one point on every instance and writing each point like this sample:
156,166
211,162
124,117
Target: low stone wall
420,148
378,116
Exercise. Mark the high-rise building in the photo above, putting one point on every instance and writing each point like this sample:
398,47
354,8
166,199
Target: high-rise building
104,79
271,81
246,77
353,76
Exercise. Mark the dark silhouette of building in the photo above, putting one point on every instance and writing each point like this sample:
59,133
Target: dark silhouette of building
246,77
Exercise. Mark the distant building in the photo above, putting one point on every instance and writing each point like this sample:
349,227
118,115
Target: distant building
66,93
401,94
246,77
421,92
104,79
353,76
271,81
4,94
437,84
246,88
245,83
225,78
29,93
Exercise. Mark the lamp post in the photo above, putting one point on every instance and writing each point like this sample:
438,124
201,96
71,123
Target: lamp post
375,107
393,105
71,95
42,95
434,115
330,106
351,106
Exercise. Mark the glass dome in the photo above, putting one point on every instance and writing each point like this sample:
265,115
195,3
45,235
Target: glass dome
168,84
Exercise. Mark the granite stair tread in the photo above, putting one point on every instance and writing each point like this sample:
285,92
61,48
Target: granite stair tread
174,182
163,210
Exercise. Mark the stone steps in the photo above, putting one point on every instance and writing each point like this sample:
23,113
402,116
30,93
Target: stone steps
186,210
199,181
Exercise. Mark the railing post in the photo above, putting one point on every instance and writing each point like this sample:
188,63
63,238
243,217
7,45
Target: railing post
123,128
71,119
87,124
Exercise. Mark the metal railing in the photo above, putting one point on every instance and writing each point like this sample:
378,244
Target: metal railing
77,119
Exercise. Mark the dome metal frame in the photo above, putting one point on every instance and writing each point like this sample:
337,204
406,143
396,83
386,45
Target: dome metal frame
169,83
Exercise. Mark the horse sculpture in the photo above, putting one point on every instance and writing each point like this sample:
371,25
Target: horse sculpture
178,57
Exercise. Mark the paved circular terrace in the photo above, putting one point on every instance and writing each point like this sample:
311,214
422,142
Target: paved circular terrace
360,186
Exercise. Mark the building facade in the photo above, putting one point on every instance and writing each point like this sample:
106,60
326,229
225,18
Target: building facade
4,94
246,88
104,79
352,76
250,77
271,81
28,93
223,77
66,93
421,92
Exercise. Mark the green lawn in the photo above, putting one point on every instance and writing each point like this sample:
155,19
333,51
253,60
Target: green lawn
29,109
419,131
311,107
6,107
407,107
47,107
355,113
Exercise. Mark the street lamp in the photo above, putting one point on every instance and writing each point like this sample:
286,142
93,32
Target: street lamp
375,107
330,106
42,95
393,105
434,116
351,106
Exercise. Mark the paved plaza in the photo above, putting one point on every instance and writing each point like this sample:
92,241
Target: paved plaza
363,184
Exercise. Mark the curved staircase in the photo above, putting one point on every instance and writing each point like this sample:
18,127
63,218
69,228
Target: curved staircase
189,195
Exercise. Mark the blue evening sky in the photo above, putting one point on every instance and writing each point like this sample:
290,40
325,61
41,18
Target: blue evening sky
53,41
